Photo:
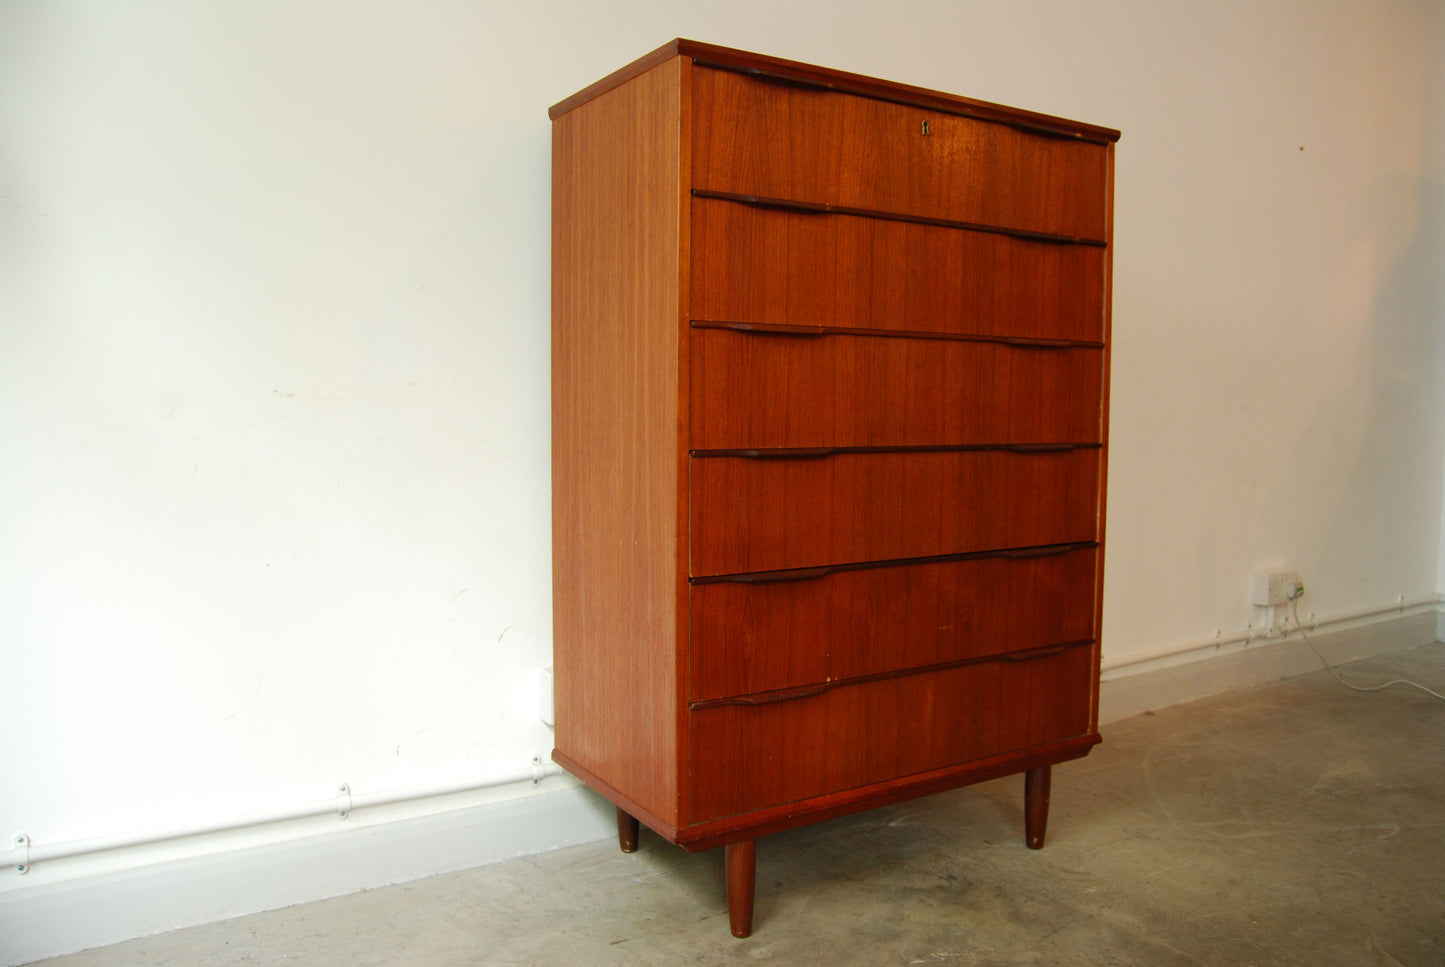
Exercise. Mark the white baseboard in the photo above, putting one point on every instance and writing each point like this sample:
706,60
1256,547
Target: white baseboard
1124,693
60,918
57,918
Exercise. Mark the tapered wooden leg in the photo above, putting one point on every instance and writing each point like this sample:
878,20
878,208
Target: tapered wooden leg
741,876
627,830
1036,806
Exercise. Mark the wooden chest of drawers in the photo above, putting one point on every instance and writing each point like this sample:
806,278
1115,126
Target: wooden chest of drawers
830,380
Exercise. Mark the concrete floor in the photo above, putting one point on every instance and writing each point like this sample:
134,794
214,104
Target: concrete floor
1299,823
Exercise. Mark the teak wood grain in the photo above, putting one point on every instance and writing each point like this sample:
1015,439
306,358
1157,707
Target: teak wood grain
754,390
760,138
855,735
756,637
830,393
615,404
773,514
774,266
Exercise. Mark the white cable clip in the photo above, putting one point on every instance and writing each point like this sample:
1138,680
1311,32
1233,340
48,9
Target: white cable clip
22,844
343,800
539,772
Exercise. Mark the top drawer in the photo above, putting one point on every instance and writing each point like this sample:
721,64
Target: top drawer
771,139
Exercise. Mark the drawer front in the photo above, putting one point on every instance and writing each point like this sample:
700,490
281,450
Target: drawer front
752,514
771,266
749,757
747,638
761,138
755,390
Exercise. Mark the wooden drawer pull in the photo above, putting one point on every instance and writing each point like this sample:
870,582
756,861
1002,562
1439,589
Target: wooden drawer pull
1033,653
817,208
751,329
819,453
789,453
770,698
822,571
1022,553
813,332
808,691
1045,447
774,577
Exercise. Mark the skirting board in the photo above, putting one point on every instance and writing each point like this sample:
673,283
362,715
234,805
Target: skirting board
64,917
1125,695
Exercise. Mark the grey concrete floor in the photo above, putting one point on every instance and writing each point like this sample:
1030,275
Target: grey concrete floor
1297,823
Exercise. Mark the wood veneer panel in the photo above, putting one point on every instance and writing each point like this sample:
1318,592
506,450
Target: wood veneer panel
771,514
773,266
755,390
756,637
757,137
750,757
615,403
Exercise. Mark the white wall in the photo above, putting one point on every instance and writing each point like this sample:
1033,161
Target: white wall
275,419
274,380
1276,395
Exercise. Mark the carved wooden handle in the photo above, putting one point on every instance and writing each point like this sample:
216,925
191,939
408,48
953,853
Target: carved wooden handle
825,570
818,453
775,577
1021,553
813,332
808,691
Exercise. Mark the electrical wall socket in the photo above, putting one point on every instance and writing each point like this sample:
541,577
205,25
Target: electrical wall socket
1275,585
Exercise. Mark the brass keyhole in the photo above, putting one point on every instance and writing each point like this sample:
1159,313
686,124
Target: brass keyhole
925,128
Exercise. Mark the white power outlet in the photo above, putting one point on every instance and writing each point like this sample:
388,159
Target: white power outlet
1275,585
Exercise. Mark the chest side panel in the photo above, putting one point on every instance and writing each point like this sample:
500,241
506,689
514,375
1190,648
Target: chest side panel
615,406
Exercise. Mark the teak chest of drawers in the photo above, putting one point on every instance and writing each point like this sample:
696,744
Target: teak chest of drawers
829,404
